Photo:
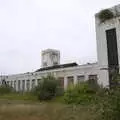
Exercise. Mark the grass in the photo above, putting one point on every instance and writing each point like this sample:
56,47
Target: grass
20,96
43,111
16,106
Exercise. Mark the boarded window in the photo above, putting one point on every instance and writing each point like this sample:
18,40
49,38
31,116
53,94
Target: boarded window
93,79
8,82
61,81
70,80
11,84
55,63
80,78
38,81
23,85
45,64
33,83
18,85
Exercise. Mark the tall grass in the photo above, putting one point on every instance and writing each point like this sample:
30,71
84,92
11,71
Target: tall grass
45,111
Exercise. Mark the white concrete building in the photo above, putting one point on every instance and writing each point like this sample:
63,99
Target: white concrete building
66,73
108,49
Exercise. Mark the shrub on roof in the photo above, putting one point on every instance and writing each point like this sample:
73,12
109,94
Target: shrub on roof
105,15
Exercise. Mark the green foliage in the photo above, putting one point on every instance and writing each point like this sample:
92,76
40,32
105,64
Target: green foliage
81,93
108,101
105,15
48,88
109,105
5,89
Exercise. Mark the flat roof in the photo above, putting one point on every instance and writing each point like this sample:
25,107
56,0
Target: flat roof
57,67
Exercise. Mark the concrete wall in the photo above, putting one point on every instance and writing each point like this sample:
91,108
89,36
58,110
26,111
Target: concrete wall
83,70
102,42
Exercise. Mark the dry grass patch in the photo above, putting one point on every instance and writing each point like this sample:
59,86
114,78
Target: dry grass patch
44,111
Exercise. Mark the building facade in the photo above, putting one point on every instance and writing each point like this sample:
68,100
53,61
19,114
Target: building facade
108,43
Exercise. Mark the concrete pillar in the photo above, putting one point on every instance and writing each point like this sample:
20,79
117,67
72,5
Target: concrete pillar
65,83
21,85
86,77
75,79
25,85
30,84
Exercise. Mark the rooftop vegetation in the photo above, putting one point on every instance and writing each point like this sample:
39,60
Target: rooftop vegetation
105,15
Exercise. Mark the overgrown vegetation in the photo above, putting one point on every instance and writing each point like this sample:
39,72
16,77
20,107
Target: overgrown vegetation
48,88
105,15
105,102
108,105
101,103
81,93
5,89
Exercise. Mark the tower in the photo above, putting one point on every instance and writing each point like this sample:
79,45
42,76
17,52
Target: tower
50,57
108,43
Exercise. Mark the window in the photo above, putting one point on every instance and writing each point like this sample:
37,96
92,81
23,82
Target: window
70,80
15,84
45,64
3,82
93,79
11,84
55,63
8,82
61,81
38,81
18,85
33,83
23,85
80,78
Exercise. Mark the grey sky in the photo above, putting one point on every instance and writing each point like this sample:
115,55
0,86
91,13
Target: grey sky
29,26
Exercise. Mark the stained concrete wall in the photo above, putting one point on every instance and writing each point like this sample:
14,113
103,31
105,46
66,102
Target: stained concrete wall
101,28
86,70
50,57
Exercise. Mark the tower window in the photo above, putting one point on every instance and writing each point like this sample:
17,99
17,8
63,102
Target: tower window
55,63
45,63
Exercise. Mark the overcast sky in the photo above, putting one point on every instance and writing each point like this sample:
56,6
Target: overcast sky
29,26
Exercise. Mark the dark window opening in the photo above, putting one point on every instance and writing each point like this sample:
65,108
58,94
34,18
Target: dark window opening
112,53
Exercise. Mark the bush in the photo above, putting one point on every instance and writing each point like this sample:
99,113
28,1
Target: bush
109,105
105,15
48,88
5,89
79,94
